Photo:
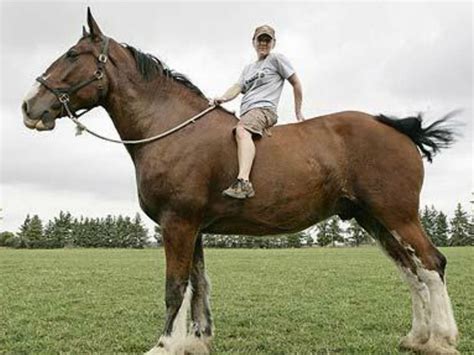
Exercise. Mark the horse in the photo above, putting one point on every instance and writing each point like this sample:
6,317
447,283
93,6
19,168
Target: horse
350,164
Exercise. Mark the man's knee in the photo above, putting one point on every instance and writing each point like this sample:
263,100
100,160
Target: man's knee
241,133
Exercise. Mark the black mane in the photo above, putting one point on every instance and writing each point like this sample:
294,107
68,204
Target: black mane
150,66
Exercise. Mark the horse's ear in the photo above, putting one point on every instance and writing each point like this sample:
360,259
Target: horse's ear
93,27
84,32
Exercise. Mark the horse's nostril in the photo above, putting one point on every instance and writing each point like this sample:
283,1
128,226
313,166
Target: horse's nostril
45,114
24,107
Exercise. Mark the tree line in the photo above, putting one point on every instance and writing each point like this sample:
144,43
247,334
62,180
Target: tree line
66,231
125,232
459,231
326,233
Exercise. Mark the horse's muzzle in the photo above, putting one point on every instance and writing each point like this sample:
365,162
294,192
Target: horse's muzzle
45,122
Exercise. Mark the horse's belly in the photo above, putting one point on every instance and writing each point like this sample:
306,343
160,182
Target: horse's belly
279,216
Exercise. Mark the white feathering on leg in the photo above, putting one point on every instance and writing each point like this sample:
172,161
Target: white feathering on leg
179,342
443,326
179,326
420,331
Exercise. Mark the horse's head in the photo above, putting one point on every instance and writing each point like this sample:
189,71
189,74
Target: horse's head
75,81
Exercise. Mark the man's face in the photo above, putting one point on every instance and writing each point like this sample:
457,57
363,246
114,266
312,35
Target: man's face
263,45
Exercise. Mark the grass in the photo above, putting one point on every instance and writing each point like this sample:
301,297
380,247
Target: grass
264,301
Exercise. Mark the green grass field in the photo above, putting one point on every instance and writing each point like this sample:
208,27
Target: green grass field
264,301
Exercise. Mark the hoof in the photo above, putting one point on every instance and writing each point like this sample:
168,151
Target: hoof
157,351
413,341
410,342
437,347
187,346
429,347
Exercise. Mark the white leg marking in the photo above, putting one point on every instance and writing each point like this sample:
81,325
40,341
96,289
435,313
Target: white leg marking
420,297
432,311
443,326
179,342
179,325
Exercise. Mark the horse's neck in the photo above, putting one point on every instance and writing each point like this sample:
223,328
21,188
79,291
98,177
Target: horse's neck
144,110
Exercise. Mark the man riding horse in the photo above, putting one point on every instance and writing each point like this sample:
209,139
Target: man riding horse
261,82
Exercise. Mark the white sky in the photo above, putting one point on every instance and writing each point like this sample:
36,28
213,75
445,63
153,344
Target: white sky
396,58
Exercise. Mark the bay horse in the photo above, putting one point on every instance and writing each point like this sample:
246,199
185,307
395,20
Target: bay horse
350,164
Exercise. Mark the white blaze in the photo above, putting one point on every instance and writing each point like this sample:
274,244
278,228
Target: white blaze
33,91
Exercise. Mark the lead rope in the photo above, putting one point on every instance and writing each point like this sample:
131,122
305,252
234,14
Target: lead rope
81,127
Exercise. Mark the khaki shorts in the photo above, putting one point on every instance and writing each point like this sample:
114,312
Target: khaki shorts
258,120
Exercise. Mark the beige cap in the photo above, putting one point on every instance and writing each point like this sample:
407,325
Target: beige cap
264,30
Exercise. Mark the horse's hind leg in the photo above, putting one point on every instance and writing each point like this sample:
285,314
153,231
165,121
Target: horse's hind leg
422,265
179,237
200,308
431,265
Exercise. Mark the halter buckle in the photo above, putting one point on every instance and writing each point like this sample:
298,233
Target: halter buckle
99,74
63,98
102,58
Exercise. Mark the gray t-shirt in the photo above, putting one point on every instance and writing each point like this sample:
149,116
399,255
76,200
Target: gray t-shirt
262,82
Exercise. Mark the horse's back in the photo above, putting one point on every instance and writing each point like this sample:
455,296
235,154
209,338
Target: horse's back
347,156
311,169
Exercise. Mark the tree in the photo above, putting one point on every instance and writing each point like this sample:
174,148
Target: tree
109,236
138,237
22,234
441,230
80,232
335,231
96,237
5,238
471,221
323,235
460,228
58,233
294,240
357,235
31,233
428,218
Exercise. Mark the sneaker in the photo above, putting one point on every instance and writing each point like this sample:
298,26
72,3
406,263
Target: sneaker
240,189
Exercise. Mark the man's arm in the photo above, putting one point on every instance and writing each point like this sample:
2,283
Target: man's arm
298,93
229,95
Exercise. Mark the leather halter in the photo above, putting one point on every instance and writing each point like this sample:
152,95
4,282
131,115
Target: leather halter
63,94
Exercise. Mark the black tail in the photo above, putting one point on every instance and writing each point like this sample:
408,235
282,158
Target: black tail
430,140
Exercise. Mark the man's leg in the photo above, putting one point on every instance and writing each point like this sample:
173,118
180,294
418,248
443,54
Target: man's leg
242,188
245,152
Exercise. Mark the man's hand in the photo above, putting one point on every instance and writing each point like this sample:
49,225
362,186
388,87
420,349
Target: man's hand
229,95
299,117
217,101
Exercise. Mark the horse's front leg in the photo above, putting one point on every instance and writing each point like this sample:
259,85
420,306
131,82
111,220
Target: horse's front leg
179,237
200,307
